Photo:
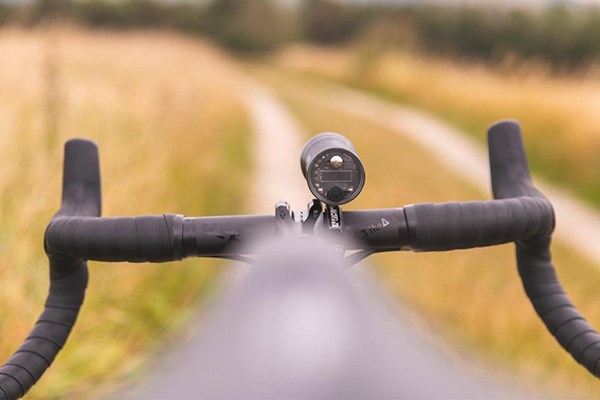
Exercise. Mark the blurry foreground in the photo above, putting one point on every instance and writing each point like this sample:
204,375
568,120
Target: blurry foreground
298,325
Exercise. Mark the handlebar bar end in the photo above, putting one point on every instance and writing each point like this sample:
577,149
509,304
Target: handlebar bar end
508,161
81,179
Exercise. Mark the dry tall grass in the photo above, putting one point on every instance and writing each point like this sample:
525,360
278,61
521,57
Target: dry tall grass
473,298
163,112
560,114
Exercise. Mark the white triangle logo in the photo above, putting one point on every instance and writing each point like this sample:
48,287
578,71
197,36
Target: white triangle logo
384,222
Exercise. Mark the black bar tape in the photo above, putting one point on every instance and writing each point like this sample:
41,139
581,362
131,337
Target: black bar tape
449,226
152,238
68,277
510,178
68,281
554,307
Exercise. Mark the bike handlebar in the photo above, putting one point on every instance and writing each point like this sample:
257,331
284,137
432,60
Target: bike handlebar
419,227
519,213
511,177
68,278
450,226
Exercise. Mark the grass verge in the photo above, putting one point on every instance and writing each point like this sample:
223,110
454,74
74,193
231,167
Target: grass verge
162,110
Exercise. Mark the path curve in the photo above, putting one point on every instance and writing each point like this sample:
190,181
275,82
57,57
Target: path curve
277,146
578,224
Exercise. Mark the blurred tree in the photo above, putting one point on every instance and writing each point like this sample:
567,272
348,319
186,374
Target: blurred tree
590,33
5,12
564,37
122,14
514,37
474,33
47,10
186,16
100,13
249,26
327,21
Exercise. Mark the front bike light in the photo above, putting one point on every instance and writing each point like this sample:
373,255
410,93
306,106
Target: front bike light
333,171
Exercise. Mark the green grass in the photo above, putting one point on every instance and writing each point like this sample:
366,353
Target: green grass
473,298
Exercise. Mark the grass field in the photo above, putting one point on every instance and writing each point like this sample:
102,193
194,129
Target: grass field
472,298
162,111
559,114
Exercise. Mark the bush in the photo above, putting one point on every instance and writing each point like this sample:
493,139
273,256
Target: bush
330,22
564,37
248,26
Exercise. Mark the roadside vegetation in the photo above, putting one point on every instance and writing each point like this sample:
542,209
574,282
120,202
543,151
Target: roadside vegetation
162,111
559,114
565,37
467,64
162,108
472,298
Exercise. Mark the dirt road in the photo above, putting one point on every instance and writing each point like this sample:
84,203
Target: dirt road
578,224
277,146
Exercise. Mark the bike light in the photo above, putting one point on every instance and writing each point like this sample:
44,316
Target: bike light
332,168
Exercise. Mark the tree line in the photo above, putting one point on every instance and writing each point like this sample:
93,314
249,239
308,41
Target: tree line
562,36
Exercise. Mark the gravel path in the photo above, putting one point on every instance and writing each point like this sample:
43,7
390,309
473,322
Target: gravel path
578,224
277,146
